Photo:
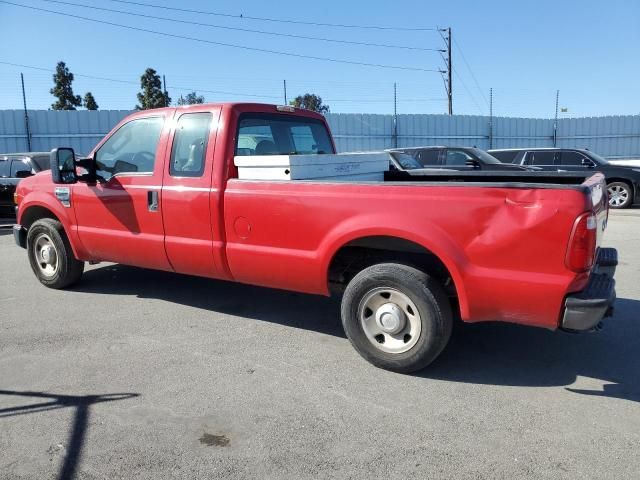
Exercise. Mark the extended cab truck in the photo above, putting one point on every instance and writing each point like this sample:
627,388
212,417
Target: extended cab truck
161,191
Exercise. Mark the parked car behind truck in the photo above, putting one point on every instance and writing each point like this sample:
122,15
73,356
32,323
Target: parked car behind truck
623,182
161,191
13,168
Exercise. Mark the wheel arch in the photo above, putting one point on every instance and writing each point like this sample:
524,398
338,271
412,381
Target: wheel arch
357,252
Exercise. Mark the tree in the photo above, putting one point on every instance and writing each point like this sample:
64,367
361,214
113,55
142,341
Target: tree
309,101
62,81
191,99
89,102
152,95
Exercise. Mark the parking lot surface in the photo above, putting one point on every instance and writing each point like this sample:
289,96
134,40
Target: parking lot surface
138,374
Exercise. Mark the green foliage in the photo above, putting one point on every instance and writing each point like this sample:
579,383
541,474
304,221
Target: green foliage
152,95
62,81
89,102
191,99
309,101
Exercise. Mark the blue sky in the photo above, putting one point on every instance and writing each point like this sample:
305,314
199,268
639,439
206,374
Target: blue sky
525,51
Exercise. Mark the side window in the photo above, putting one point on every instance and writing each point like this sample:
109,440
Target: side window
428,158
130,149
571,158
541,158
4,168
190,145
20,169
457,158
508,156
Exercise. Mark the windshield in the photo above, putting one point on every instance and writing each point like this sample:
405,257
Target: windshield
484,156
406,161
268,134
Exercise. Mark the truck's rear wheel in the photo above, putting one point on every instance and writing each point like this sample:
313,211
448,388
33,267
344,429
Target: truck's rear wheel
396,317
50,254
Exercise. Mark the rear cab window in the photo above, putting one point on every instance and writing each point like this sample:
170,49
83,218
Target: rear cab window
273,134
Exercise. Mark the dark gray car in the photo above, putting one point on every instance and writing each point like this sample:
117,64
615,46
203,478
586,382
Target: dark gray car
623,182
414,159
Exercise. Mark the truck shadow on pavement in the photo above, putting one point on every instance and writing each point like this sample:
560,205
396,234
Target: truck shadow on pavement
487,353
514,355
77,436
308,312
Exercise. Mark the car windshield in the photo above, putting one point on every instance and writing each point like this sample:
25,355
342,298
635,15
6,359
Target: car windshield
484,156
406,161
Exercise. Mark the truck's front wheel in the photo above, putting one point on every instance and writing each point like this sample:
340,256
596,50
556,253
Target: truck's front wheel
397,317
50,254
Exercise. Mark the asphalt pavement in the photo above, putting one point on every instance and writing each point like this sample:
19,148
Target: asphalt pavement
137,374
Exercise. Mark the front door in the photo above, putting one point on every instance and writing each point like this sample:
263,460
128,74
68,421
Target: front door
119,217
188,201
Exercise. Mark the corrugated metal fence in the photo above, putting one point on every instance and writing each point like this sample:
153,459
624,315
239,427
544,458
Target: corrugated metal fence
613,137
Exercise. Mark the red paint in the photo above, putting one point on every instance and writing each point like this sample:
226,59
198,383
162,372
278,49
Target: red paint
509,250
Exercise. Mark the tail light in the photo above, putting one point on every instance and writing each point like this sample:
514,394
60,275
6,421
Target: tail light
582,244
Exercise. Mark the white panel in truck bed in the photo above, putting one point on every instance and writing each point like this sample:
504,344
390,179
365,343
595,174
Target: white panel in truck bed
343,166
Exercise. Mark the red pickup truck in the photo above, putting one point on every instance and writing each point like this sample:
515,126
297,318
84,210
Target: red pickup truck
406,255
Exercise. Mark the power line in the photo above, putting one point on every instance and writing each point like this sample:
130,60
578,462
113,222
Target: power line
202,90
238,29
278,20
470,71
473,98
130,82
231,45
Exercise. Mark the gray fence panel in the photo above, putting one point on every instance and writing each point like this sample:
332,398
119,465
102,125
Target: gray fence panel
613,136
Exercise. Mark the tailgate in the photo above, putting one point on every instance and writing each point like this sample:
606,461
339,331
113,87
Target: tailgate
597,192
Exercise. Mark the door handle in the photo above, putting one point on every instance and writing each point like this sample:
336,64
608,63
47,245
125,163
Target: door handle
152,200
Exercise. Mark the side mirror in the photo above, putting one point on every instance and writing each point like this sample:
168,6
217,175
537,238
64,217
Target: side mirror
23,174
63,165
587,163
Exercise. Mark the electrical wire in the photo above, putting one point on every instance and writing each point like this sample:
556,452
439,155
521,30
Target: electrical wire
464,59
278,20
231,45
248,30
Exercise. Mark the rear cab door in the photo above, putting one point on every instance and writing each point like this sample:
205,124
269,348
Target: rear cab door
188,202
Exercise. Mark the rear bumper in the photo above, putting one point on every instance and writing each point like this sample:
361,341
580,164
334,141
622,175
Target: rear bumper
584,310
20,236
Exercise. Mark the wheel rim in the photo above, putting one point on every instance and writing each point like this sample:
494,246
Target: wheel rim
618,195
390,320
46,255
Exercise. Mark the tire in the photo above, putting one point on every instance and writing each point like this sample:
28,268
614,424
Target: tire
51,256
417,297
620,195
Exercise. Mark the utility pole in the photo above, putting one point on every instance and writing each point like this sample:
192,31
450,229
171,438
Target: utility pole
395,115
449,71
448,82
491,118
284,82
26,115
555,121
164,91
